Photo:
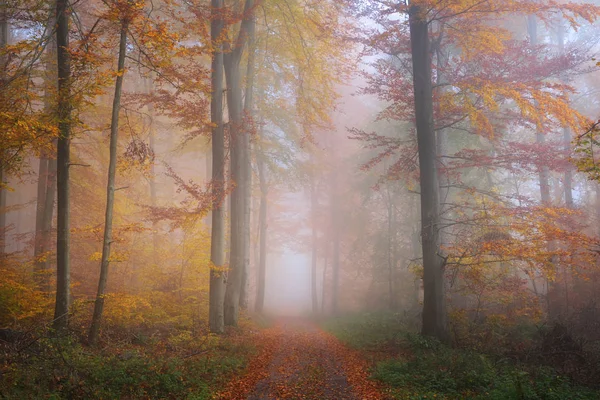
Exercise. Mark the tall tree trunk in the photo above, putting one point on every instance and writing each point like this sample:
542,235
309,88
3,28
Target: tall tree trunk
567,137
217,244
540,138
63,273
42,186
335,205
4,37
249,113
239,139
152,180
110,189
262,218
544,179
434,304
46,188
390,251
323,286
313,269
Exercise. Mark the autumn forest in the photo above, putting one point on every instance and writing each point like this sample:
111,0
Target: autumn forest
299,199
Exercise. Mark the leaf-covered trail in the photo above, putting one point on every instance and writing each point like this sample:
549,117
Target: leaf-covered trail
300,361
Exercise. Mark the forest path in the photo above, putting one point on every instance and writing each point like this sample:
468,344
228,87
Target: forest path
300,361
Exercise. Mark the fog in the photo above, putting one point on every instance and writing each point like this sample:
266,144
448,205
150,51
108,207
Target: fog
194,166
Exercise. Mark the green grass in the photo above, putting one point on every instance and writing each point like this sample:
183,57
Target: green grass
431,370
63,369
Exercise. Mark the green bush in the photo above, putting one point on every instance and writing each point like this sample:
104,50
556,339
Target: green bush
432,370
62,369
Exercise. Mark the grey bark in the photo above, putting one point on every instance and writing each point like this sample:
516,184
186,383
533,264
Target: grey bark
152,180
4,33
249,112
540,138
46,188
63,274
567,137
313,269
217,245
239,140
335,221
262,218
434,304
390,249
110,189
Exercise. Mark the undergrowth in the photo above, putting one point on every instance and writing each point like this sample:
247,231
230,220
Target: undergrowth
422,368
180,367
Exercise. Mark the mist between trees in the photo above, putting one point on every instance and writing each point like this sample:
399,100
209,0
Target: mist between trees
170,166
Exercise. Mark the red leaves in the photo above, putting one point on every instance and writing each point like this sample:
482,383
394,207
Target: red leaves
299,361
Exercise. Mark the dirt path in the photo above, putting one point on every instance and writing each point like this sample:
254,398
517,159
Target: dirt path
300,361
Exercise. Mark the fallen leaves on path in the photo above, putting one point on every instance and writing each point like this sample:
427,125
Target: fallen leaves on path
297,360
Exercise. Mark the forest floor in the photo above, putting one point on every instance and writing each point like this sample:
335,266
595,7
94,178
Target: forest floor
298,360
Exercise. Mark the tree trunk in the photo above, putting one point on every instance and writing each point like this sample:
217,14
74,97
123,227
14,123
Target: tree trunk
239,162
262,218
217,244
540,138
567,137
110,189
434,305
315,243
323,286
4,33
336,244
46,188
152,180
63,274
390,251
249,113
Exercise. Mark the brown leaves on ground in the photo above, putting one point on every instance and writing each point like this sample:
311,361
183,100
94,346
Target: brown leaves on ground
297,360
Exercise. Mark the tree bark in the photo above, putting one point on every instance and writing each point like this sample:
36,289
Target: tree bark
567,136
239,161
46,188
262,218
390,251
434,305
315,243
334,204
63,274
217,245
249,113
4,33
110,189
540,138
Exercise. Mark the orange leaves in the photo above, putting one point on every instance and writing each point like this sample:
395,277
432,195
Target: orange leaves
299,361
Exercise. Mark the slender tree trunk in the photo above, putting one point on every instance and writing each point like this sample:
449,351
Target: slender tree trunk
110,189
390,250
567,137
63,273
313,270
217,245
239,162
544,177
262,218
336,244
47,218
152,180
42,186
540,138
46,188
4,37
3,227
249,113
434,305
323,286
